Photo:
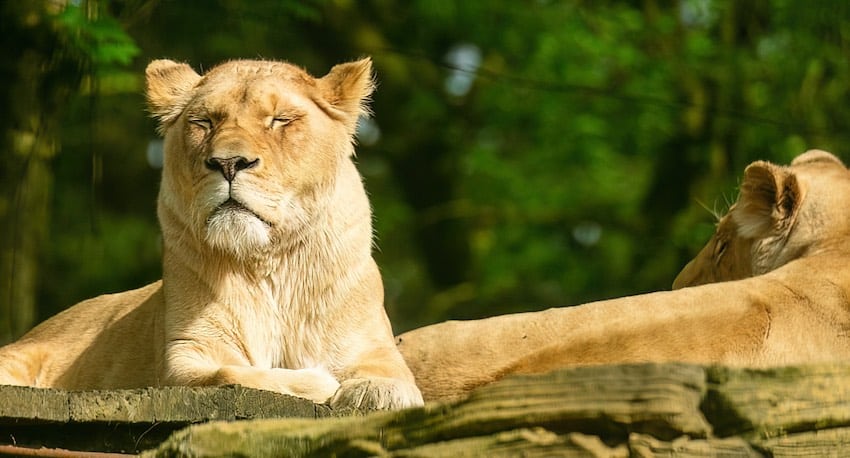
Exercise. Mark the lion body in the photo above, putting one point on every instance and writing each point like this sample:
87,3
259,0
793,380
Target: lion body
770,288
268,278
107,342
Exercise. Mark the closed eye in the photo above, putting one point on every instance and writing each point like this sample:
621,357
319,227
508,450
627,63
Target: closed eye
203,123
281,120
720,250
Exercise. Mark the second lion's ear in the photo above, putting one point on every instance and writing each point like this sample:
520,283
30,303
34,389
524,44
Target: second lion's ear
168,87
348,88
769,200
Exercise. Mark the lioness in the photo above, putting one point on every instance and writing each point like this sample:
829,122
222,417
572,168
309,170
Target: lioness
268,278
781,253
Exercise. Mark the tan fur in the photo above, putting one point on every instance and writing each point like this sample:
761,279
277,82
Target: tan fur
770,288
268,278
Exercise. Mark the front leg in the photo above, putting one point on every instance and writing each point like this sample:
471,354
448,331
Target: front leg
315,384
366,361
194,368
379,379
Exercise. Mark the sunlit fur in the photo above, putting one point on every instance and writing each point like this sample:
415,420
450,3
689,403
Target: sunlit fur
770,288
268,278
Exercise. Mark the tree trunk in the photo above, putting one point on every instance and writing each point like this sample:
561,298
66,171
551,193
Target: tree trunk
34,79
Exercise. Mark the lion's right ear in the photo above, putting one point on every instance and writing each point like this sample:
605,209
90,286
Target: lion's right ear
769,200
168,88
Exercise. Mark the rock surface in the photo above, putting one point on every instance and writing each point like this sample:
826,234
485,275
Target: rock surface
631,410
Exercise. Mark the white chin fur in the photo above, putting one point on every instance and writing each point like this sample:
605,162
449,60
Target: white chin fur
237,232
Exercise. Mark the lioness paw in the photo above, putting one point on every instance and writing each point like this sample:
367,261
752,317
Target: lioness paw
376,393
317,385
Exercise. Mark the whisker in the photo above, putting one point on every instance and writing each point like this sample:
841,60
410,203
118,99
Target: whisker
712,211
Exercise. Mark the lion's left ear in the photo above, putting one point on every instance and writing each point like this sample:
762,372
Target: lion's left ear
348,88
769,200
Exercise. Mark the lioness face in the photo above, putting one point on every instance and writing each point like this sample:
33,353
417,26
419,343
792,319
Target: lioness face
257,167
726,256
252,149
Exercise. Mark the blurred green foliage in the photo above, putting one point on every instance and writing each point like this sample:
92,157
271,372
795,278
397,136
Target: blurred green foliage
523,154
99,39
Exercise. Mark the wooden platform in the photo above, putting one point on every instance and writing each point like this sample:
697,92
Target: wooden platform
633,410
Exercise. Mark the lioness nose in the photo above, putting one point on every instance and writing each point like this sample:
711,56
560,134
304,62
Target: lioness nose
230,166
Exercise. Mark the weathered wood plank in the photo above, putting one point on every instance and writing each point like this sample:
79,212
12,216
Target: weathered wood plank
767,403
644,446
149,405
23,404
131,406
529,443
634,410
131,420
662,400
608,401
821,443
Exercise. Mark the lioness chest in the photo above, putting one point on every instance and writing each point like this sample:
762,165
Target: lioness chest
267,325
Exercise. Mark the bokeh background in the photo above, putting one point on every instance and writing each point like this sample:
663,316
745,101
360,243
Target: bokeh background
523,154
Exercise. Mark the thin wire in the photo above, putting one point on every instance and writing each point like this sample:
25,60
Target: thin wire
566,87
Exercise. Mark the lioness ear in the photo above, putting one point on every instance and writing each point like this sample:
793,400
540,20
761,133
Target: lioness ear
348,88
168,86
769,199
